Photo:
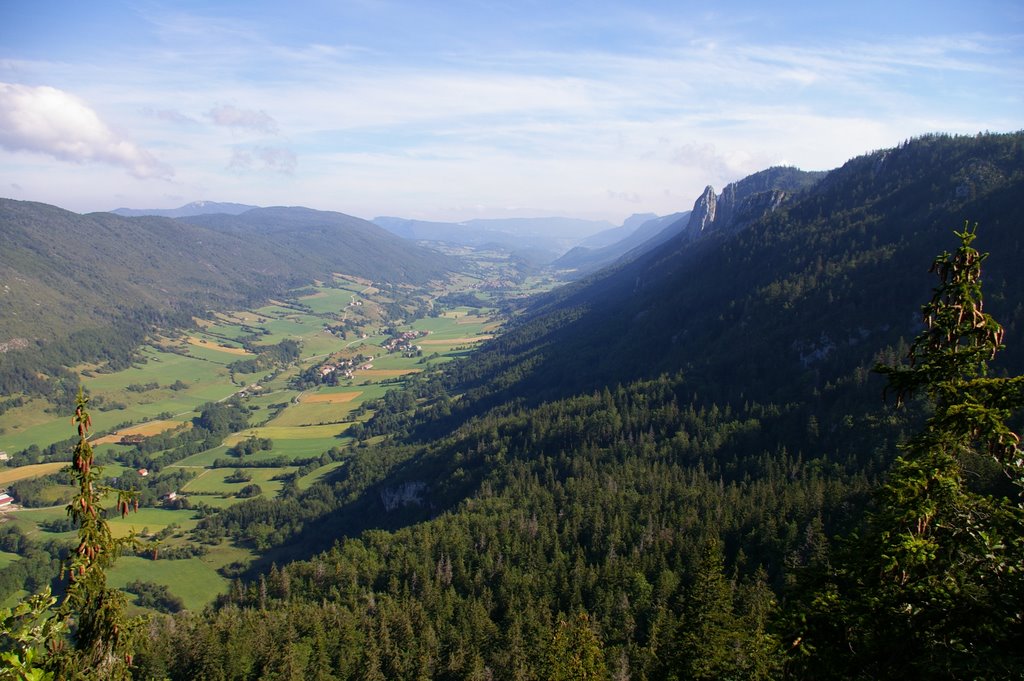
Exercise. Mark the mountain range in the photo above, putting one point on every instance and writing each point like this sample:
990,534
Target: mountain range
543,239
188,210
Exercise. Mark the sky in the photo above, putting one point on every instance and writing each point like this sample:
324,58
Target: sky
454,110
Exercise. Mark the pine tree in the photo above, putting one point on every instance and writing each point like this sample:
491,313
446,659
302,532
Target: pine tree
933,586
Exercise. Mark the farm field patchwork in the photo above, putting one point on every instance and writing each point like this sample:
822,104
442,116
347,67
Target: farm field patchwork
300,423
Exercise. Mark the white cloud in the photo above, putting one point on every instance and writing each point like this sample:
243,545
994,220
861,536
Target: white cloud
50,121
233,117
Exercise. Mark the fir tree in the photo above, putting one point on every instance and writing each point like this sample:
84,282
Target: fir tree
102,635
933,587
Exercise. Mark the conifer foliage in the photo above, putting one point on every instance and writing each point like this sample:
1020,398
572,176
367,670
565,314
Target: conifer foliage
933,587
102,634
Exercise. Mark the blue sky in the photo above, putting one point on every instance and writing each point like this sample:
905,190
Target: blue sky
457,110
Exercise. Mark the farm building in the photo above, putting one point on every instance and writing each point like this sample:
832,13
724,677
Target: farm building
4,456
5,500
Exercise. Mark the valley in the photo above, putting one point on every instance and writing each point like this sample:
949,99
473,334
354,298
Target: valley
353,343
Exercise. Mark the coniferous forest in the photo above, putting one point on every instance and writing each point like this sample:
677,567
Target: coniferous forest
782,450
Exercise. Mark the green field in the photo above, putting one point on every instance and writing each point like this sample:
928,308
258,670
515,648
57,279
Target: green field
319,474
7,558
150,519
308,414
214,481
329,301
196,581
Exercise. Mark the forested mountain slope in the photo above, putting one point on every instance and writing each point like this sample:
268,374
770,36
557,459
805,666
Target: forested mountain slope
126,275
738,205
806,294
308,240
637,471
110,263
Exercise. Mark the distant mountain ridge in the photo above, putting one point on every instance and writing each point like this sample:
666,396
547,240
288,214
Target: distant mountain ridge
646,236
188,210
551,235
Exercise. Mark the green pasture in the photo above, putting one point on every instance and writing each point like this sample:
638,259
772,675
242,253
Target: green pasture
150,519
28,519
329,300
214,481
314,413
395,360
38,428
306,447
113,470
319,474
7,558
459,323
216,358
230,329
321,343
160,367
195,581
202,459
290,441
212,500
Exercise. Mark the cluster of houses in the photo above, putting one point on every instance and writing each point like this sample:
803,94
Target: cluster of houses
252,389
403,342
346,367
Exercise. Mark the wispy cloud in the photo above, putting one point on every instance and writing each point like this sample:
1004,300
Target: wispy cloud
232,117
50,121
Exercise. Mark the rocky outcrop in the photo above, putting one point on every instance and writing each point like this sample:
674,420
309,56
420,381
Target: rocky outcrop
741,203
704,211
405,494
